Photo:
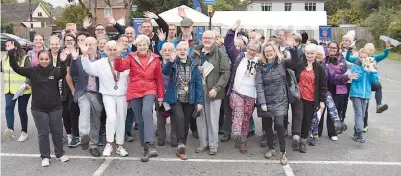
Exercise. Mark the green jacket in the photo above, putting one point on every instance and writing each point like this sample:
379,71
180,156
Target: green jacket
219,76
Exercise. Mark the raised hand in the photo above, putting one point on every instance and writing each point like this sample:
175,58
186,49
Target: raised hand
161,35
150,15
111,20
388,44
84,49
290,40
181,12
236,25
74,53
173,56
63,55
87,22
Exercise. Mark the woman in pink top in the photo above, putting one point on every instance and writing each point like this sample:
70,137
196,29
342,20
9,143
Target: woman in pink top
39,46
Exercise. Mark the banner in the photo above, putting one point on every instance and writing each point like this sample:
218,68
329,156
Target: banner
324,33
136,23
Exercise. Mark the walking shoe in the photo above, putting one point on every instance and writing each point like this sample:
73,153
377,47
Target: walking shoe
74,142
270,153
283,159
195,135
295,143
237,141
121,151
64,158
152,150
69,138
201,149
221,132
302,146
146,155
45,162
365,129
181,155
251,133
9,133
243,148
381,108
181,148
101,141
225,138
94,152
136,126
314,140
334,138
85,142
174,144
23,137
213,151
107,150
129,138
263,140
340,127
160,143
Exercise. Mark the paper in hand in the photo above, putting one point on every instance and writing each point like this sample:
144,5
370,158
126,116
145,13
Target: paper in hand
207,68
392,41
19,92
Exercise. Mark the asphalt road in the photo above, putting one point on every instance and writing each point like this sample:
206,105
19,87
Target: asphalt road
381,155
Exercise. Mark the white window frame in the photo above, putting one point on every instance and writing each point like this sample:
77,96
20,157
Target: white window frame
266,6
310,6
287,6
40,14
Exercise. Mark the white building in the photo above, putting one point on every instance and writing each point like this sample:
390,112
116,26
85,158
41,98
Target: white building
285,5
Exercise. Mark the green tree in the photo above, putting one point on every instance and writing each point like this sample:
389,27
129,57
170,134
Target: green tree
378,23
72,14
9,1
45,4
349,15
394,30
222,5
332,6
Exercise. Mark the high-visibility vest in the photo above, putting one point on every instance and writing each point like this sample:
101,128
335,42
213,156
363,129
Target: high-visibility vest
12,80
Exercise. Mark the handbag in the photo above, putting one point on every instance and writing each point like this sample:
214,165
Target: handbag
196,113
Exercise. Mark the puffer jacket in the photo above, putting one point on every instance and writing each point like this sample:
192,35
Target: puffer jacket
362,86
271,85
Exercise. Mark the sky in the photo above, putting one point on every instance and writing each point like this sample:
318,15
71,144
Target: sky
55,3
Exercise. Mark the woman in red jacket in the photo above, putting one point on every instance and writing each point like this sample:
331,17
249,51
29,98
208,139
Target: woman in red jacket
145,84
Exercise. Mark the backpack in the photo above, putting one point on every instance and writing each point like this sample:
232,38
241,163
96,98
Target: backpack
293,92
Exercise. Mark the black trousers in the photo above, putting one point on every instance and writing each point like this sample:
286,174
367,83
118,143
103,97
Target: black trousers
329,125
182,113
365,119
308,110
345,104
70,115
297,117
267,124
340,101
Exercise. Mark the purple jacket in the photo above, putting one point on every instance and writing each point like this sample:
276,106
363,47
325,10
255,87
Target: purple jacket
231,50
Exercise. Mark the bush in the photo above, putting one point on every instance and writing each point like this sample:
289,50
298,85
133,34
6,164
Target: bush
7,28
378,23
394,31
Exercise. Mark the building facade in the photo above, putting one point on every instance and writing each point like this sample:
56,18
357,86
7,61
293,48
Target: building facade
285,5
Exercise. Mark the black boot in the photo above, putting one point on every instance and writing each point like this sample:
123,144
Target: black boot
263,140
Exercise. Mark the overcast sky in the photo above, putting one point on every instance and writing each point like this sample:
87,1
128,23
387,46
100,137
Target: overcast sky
53,2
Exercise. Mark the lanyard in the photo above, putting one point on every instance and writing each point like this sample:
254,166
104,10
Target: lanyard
116,76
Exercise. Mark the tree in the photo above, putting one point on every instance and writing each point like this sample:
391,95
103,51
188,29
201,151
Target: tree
72,14
332,6
378,23
348,15
222,5
9,1
45,4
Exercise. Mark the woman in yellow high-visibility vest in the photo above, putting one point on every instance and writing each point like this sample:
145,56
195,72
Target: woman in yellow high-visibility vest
12,84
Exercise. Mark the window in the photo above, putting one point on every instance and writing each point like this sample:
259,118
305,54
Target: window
267,6
287,6
40,14
310,6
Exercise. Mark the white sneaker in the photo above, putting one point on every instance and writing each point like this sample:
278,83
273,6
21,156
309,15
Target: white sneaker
107,150
9,133
45,162
23,137
121,151
64,158
69,139
334,138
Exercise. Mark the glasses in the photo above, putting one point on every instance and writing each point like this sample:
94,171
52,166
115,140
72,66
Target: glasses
99,29
208,38
269,51
182,49
253,50
333,48
69,40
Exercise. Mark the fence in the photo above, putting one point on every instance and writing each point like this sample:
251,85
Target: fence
362,34
23,32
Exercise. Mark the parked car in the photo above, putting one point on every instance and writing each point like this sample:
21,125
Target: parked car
25,44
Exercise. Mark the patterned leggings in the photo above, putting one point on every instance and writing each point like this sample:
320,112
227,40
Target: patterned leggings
331,109
242,107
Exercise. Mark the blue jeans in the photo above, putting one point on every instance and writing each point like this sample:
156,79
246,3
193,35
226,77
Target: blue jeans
22,105
129,121
360,105
251,125
143,111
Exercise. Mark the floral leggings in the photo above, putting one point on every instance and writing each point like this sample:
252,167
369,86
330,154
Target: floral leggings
331,109
242,107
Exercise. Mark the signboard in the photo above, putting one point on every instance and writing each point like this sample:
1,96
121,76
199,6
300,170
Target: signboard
209,2
108,12
209,8
324,33
136,23
199,31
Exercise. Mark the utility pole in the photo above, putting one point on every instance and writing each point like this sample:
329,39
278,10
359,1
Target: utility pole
31,32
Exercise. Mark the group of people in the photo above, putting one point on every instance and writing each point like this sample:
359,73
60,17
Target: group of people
97,86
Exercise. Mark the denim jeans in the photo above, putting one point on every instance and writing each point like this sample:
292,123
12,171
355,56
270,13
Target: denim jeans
360,105
22,106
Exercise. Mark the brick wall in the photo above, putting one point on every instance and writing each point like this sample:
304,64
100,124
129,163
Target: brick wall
117,14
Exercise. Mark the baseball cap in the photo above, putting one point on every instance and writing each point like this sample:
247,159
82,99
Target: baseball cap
186,22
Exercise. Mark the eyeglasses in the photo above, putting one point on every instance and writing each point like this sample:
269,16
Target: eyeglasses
208,38
253,50
182,49
99,29
269,51
333,48
69,40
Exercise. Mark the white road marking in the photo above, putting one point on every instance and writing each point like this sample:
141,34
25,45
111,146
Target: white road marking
102,167
390,80
215,160
288,170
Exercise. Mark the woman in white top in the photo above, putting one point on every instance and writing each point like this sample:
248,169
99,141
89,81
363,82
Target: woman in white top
113,87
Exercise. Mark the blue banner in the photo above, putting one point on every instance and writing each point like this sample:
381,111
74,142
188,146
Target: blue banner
324,33
209,2
199,31
136,23
197,5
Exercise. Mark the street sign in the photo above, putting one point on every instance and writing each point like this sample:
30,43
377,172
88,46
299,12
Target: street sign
136,23
209,2
325,33
209,8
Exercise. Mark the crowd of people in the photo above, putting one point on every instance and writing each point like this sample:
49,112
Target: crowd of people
98,87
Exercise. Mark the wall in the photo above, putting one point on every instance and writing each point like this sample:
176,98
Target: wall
42,10
280,6
24,32
117,14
